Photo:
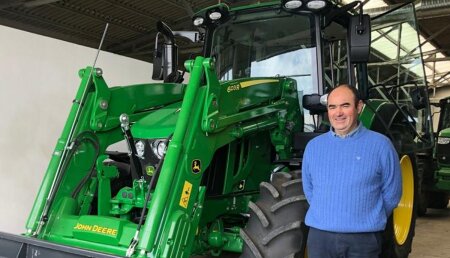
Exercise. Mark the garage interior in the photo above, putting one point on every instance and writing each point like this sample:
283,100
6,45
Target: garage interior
132,33
132,27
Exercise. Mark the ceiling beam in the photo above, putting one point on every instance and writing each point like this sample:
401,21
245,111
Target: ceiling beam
188,7
427,9
436,59
10,3
66,32
35,3
430,38
175,3
435,51
99,16
28,4
142,39
132,9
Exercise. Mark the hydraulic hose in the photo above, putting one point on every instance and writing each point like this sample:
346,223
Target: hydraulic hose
44,208
94,142
135,240
134,159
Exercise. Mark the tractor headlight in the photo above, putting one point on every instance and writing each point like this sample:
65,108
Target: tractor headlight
140,149
443,140
214,16
312,5
158,147
316,4
211,16
150,152
198,21
292,4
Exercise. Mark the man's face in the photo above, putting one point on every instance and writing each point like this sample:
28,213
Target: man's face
343,111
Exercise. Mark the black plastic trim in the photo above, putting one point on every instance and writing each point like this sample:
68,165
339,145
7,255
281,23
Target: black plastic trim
15,246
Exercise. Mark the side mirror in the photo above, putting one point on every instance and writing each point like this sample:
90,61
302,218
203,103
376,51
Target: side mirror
359,32
158,72
165,56
315,103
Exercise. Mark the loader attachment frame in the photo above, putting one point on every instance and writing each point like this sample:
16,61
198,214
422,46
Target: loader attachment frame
26,247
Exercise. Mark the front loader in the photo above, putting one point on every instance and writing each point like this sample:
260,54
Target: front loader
213,166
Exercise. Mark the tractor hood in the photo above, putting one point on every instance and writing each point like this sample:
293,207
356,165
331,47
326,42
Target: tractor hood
445,133
159,124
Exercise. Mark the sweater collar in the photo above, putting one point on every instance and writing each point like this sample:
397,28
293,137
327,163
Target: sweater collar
350,134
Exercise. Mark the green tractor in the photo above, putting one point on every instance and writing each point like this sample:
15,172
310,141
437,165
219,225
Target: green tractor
436,165
442,152
213,166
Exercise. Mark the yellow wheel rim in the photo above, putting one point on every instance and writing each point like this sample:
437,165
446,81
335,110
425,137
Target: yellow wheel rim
404,211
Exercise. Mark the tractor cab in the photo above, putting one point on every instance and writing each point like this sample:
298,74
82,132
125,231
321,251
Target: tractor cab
320,45
307,43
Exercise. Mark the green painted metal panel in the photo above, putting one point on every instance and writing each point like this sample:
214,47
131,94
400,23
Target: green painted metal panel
443,179
159,124
445,133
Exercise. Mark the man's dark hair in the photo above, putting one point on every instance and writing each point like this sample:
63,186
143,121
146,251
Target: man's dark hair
354,91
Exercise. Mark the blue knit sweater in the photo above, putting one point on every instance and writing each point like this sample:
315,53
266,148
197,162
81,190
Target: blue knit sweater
352,184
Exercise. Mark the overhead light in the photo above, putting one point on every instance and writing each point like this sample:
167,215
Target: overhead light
198,21
316,4
292,4
215,15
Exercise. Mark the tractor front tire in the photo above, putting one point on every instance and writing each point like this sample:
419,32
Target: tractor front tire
276,226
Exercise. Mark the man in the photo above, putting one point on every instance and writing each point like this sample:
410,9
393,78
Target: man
352,181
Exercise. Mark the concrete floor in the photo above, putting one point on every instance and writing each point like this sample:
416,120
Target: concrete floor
432,238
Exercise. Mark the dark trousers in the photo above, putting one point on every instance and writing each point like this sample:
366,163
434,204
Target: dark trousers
325,244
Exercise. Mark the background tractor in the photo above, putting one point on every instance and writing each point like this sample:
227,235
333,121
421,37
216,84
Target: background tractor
435,187
213,165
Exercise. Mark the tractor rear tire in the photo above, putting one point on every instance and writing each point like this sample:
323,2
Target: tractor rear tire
276,225
400,228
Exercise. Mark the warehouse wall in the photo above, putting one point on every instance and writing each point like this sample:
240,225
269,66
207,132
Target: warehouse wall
38,81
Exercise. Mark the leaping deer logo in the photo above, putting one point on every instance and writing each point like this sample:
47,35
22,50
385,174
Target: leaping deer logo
196,166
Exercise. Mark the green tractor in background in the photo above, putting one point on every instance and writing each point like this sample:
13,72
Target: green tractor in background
442,152
213,166
436,164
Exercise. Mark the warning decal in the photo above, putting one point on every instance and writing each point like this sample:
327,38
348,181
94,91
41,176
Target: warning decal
186,194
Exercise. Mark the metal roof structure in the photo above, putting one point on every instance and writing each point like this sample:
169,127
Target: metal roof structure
433,18
132,29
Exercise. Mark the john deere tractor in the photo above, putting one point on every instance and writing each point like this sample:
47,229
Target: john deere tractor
435,164
213,166
442,173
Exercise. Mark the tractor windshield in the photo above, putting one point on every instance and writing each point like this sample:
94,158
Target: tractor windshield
267,44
